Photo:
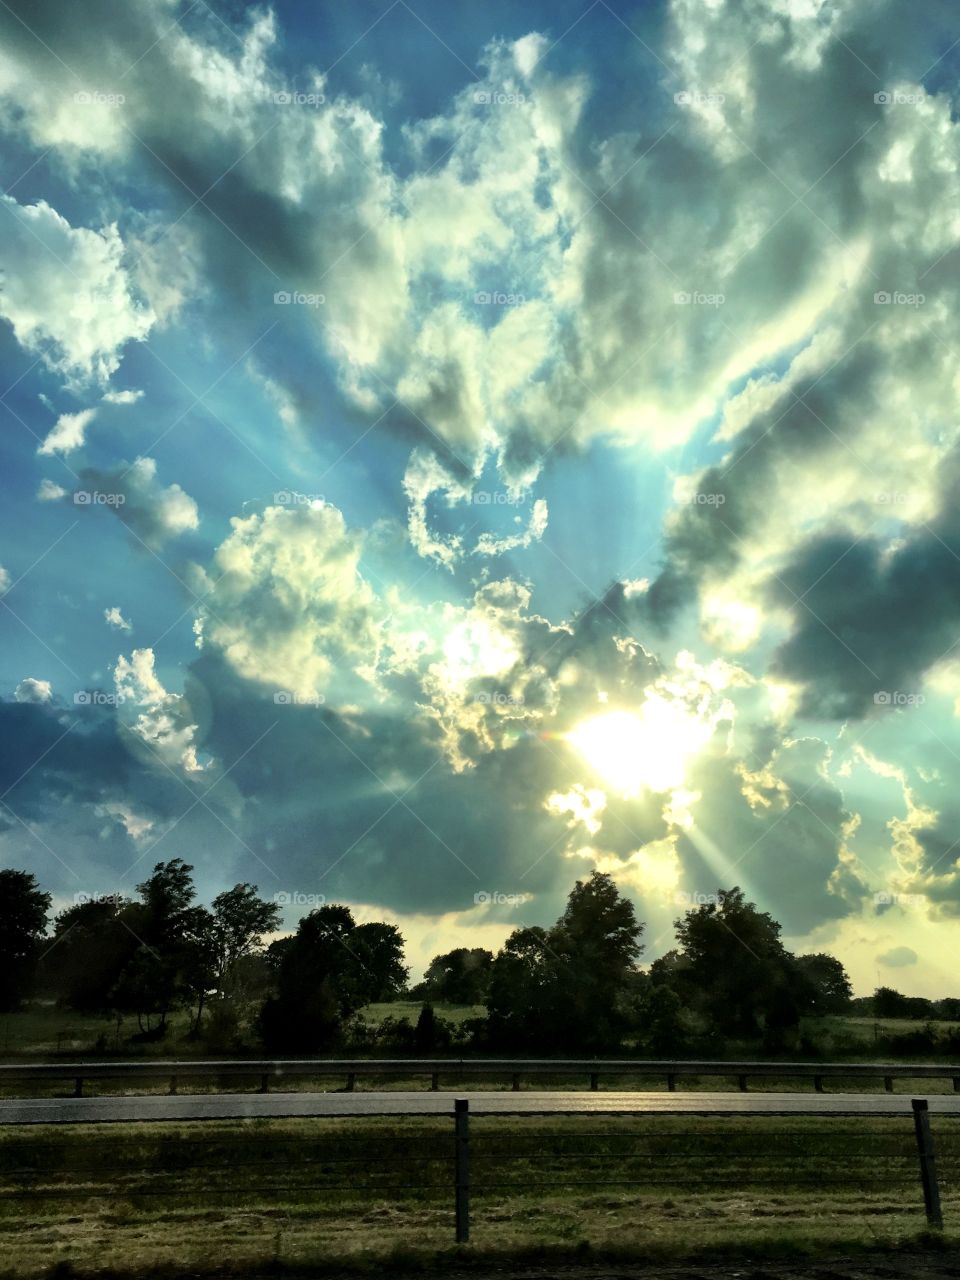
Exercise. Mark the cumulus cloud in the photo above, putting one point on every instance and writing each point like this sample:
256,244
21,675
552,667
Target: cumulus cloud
31,690
50,491
66,293
152,511
898,957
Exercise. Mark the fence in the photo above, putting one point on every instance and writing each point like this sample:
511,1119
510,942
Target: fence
268,1072
491,1155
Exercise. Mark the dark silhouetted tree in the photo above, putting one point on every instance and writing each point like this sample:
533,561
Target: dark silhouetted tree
23,921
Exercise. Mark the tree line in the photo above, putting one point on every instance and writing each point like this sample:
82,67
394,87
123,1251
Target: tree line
576,987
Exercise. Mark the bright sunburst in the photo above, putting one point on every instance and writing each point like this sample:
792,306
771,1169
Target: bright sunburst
649,748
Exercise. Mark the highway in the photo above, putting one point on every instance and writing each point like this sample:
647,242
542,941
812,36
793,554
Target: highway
251,1106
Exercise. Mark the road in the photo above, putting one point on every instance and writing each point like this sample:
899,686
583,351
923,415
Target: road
249,1106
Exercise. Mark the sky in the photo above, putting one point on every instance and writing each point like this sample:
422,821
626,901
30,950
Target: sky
450,448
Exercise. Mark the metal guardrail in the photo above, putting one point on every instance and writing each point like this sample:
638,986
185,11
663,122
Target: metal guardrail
272,1071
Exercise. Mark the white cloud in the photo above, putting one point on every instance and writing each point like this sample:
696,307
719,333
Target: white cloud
66,292
50,492
123,397
160,720
114,618
68,433
153,511
31,690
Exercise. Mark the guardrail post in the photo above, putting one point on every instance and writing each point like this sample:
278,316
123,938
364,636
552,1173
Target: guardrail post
956,1084
173,1084
78,1087
351,1081
742,1080
888,1083
928,1168
818,1083
516,1082
461,1118
264,1083
594,1081
672,1082
435,1081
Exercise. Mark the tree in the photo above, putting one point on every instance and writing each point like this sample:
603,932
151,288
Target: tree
91,945
570,987
240,919
379,948
23,922
323,977
736,970
461,976
824,984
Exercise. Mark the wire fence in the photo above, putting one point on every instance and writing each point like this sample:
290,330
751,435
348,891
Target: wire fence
479,1160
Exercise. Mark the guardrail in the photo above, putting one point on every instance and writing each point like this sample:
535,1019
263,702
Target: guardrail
272,1071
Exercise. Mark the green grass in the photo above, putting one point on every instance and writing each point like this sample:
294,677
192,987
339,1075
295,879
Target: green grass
374,1014
360,1192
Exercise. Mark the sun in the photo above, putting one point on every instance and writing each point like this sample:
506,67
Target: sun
648,749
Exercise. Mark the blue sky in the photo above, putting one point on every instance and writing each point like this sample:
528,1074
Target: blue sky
450,448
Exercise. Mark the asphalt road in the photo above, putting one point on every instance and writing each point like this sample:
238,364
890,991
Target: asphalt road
249,1106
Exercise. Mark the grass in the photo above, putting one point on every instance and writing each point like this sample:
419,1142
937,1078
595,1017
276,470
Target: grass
273,1193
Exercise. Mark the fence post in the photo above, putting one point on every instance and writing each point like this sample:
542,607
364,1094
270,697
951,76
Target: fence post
435,1081
742,1080
351,1081
461,1117
888,1083
928,1168
78,1087
516,1082
594,1081
173,1084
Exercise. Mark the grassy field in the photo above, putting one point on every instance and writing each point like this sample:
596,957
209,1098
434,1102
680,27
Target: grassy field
286,1193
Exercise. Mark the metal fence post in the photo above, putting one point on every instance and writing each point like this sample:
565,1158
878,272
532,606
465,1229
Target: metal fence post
461,1116
928,1168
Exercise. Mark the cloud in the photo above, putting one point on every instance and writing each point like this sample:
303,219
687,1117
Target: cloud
161,721
153,512
68,433
898,957
114,618
31,690
49,491
122,397
66,293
